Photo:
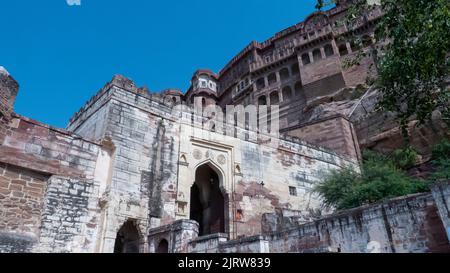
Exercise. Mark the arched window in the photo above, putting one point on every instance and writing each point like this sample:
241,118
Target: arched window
260,83
163,247
317,55
174,100
343,49
262,100
287,93
328,50
295,69
305,59
203,102
274,98
272,78
284,74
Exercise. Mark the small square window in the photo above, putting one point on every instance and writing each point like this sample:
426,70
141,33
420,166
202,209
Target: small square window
293,191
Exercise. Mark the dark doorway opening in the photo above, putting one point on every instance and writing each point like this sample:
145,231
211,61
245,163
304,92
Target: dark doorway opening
207,202
163,247
127,240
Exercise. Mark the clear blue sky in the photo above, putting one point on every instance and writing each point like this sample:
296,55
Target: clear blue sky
62,55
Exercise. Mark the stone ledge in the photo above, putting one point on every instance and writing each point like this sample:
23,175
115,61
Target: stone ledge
214,236
244,240
175,226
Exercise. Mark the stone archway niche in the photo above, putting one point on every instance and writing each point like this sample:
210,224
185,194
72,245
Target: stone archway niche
207,204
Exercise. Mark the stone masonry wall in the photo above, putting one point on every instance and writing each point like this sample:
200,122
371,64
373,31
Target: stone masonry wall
70,216
144,160
39,147
257,176
151,149
335,133
408,224
441,194
178,235
46,182
21,198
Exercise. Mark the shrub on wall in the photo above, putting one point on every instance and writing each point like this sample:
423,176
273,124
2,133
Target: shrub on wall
441,159
405,158
380,179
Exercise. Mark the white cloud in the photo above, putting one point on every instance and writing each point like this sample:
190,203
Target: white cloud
73,2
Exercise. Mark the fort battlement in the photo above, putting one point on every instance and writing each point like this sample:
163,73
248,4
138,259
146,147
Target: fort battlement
151,103
128,85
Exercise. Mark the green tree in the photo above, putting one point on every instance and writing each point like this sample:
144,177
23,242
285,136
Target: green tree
411,56
380,179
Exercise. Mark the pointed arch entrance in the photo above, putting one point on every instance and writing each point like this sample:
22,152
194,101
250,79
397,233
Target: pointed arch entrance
163,246
207,203
128,239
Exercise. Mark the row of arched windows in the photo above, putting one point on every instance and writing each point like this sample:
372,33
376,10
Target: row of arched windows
284,74
366,41
329,51
317,54
287,93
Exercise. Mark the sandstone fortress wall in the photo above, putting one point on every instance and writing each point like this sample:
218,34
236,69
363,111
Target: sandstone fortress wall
135,172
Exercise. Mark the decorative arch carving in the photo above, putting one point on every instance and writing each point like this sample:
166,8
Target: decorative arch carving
217,169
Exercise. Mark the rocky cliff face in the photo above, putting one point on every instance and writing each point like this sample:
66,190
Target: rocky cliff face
379,131
375,129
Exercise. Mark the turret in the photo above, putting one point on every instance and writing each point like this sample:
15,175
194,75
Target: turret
175,96
203,90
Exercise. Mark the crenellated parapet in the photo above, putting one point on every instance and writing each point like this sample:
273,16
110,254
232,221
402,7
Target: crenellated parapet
119,82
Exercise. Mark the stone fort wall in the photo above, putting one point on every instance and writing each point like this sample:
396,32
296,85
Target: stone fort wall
412,224
121,177
126,158
156,155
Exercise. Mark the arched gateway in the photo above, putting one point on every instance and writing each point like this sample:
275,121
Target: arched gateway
207,205
128,239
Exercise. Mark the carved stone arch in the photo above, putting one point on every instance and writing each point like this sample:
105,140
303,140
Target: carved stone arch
208,199
129,238
213,165
163,246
